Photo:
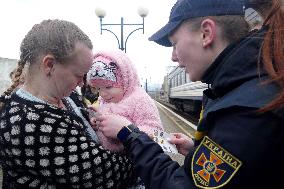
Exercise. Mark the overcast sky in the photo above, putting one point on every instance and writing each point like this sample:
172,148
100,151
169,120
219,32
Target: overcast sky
151,60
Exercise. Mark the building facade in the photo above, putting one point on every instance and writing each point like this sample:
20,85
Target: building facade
6,66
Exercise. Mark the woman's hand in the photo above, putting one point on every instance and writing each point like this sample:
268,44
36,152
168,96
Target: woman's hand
111,124
183,143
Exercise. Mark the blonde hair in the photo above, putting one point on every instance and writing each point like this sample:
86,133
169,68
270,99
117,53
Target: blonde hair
56,37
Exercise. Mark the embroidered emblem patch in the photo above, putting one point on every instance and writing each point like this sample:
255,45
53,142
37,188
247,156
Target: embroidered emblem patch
212,166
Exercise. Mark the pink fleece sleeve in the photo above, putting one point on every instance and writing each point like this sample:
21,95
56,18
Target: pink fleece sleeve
146,115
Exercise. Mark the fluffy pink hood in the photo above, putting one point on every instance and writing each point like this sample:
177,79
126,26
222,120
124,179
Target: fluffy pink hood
128,72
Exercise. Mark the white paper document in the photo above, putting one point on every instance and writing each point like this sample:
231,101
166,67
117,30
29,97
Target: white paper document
161,138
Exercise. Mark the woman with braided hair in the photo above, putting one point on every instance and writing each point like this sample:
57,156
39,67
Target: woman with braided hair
18,77
46,140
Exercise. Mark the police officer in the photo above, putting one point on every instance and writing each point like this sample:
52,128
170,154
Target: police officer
241,133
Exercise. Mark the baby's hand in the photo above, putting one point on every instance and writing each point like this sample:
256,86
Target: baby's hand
94,123
94,119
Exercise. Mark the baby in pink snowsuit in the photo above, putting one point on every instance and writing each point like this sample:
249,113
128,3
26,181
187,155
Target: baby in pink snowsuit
114,75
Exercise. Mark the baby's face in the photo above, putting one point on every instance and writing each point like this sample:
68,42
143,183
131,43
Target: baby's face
110,93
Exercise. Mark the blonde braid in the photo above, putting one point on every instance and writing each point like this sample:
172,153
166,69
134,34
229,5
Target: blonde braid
15,83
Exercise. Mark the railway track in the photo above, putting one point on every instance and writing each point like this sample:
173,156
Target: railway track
193,118
188,124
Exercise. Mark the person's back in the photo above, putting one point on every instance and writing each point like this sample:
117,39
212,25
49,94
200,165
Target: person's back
114,75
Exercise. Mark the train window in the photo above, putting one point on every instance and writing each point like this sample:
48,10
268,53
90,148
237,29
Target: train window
180,78
173,81
182,74
187,78
177,80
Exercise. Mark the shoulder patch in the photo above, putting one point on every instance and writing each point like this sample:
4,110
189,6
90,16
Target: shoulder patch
212,166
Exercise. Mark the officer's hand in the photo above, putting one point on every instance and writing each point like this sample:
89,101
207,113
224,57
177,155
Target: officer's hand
111,124
183,143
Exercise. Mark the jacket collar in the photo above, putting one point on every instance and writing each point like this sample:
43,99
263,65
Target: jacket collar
235,65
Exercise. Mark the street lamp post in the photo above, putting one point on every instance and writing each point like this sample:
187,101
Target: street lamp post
121,43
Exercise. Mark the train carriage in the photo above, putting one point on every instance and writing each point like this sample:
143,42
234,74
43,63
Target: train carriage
179,91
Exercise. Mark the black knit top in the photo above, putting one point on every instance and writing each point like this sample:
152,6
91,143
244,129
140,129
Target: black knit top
42,146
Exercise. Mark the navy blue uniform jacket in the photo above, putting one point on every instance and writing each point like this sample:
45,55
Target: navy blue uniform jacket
240,147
